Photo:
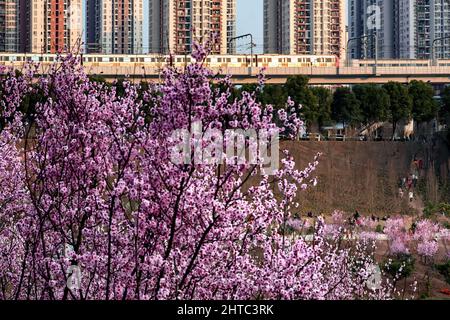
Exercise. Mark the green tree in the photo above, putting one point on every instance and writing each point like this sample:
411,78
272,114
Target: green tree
445,104
345,107
274,95
374,102
297,88
325,99
400,103
249,87
424,107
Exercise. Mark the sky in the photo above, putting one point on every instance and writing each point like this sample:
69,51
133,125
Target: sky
250,20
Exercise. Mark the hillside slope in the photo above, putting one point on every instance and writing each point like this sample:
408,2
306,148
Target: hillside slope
365,176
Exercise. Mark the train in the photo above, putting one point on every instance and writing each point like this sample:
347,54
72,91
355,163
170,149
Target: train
219,61
154,60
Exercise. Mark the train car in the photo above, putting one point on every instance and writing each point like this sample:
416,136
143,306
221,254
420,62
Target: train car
390,63
20,58
443,63
271,61
122,60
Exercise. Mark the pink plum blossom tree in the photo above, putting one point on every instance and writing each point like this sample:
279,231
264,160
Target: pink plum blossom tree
93,205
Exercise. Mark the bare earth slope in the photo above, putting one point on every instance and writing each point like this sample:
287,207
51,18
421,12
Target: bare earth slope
365,176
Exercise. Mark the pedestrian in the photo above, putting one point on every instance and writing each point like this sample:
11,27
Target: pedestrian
409,183
400,192
411,196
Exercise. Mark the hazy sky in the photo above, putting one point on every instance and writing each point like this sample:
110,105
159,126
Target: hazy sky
250,20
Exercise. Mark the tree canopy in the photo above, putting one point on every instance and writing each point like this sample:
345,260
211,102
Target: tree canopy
345,107
400,103
374,102
424,106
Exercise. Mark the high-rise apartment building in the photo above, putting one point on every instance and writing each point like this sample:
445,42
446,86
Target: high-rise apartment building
304,27
13,23
114,26
433,23
175,24
55,26
405,29
370,18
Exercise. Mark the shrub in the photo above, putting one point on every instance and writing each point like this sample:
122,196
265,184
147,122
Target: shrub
444,269
400,266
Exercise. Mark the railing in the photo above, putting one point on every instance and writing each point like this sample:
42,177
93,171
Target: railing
140,70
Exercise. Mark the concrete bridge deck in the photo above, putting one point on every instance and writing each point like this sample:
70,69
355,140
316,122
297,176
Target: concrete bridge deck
325,75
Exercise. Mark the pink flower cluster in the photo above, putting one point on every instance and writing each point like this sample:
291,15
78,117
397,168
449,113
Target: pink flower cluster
425,234
424,239
398,235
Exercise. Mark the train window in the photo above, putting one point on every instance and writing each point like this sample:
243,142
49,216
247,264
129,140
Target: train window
228,59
